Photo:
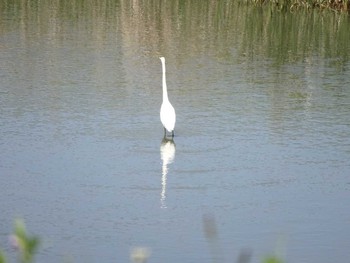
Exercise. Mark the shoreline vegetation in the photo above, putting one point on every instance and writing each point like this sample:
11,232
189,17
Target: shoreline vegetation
295,5
278,5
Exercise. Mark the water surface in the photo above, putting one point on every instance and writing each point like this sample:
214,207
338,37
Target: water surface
261,156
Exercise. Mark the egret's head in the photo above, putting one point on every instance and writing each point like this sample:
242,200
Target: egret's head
162,59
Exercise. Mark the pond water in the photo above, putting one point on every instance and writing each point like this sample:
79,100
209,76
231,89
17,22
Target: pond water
260,162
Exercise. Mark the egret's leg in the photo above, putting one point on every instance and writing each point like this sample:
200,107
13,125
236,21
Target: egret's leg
172,134
164,132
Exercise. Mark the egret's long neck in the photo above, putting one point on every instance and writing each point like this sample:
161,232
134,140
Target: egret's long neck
165,91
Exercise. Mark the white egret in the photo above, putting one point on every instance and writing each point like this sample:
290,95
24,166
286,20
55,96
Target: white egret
167,111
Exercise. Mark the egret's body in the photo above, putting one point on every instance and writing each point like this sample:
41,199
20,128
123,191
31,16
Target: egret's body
167,111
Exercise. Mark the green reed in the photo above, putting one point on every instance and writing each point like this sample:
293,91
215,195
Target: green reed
294,5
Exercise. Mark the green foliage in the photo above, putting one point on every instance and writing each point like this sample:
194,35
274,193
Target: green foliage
2,257
272,259
293,5
27,246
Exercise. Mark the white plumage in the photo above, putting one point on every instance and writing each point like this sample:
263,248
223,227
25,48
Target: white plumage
167,111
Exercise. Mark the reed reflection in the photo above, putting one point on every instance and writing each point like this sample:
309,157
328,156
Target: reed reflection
167,155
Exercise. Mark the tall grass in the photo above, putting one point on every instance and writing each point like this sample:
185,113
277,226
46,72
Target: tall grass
294,5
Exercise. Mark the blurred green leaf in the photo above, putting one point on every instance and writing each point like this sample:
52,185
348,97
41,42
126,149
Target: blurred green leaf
27,245
272,259
2,257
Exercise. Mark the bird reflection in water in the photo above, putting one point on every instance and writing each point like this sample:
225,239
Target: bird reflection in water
167,155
